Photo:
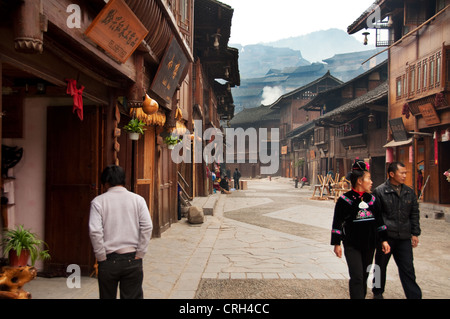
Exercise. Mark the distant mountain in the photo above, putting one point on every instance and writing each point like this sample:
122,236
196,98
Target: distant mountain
320,45
272,69
257,59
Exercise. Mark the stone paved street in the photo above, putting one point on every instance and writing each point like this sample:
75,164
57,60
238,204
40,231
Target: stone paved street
269,241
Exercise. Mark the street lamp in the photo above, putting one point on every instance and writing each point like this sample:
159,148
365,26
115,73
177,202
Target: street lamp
366,40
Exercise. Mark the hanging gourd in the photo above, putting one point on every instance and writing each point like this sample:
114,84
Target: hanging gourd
149,106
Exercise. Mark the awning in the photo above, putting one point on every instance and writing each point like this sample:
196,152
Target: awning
393,143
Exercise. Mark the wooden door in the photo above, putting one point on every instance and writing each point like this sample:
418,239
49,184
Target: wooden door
71,184
164,172
145,168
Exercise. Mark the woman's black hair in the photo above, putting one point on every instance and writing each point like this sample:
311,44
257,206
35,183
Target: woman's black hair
113,175
359,168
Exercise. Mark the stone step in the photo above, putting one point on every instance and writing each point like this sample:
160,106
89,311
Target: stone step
210,205
207,203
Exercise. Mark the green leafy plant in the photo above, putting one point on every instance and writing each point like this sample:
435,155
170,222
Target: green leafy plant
21,239
135,126
300,162
171,140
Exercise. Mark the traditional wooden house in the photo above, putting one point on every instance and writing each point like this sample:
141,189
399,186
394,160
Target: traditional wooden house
352,125
417,37
262,117
293,115
71,76
216,71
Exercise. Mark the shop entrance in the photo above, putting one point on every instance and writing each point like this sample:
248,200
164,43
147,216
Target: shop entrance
71,183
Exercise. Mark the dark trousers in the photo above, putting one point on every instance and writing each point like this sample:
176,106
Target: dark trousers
236,183
123,269
403,256
358,262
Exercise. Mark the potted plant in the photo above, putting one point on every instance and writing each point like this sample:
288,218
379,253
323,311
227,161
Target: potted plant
171,141
134,128
20,244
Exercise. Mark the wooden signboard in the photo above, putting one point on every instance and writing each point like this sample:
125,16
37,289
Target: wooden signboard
398,129
117,30
169,72
429,114
284,150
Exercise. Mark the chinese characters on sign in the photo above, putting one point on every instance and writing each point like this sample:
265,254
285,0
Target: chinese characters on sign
117,30
429,114
169,72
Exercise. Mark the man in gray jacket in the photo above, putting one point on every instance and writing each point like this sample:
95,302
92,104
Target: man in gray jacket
400,211
120,228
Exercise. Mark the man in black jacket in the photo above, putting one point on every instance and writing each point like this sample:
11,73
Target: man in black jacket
400,211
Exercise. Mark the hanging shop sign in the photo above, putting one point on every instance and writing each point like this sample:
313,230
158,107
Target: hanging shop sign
398,129
169,72
429,114
117,30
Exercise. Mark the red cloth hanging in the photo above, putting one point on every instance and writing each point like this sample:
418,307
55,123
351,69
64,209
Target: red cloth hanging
436,152
78,102
77,95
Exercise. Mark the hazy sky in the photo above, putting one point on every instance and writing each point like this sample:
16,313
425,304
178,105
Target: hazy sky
256,21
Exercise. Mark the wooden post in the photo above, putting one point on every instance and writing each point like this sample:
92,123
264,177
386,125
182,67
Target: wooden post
28,26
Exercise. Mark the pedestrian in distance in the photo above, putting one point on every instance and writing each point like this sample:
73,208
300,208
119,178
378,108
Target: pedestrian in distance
120,229
358,223
236,177
224,188
303,181
401,214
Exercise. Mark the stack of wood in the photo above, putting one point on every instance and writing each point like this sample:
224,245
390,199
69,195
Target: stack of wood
340,187
324,185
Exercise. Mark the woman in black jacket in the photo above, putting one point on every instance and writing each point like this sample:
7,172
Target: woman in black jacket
358,224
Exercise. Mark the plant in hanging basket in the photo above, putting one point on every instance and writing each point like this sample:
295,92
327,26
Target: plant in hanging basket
171,140
134,128
20,243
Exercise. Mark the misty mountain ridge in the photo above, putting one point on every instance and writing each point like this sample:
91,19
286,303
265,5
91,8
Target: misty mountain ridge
256,60
267,72
320,45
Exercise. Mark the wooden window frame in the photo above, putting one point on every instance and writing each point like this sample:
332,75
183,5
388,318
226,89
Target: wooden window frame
424,75
398,87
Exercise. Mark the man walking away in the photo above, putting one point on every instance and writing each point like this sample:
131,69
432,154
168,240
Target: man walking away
400,211
236,176
120,228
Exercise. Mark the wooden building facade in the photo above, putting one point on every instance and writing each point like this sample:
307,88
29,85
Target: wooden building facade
418,45
66,94
352,124
292,115
262,117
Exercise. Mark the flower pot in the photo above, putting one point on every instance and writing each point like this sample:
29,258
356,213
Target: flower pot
133,136
171,146
19,261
